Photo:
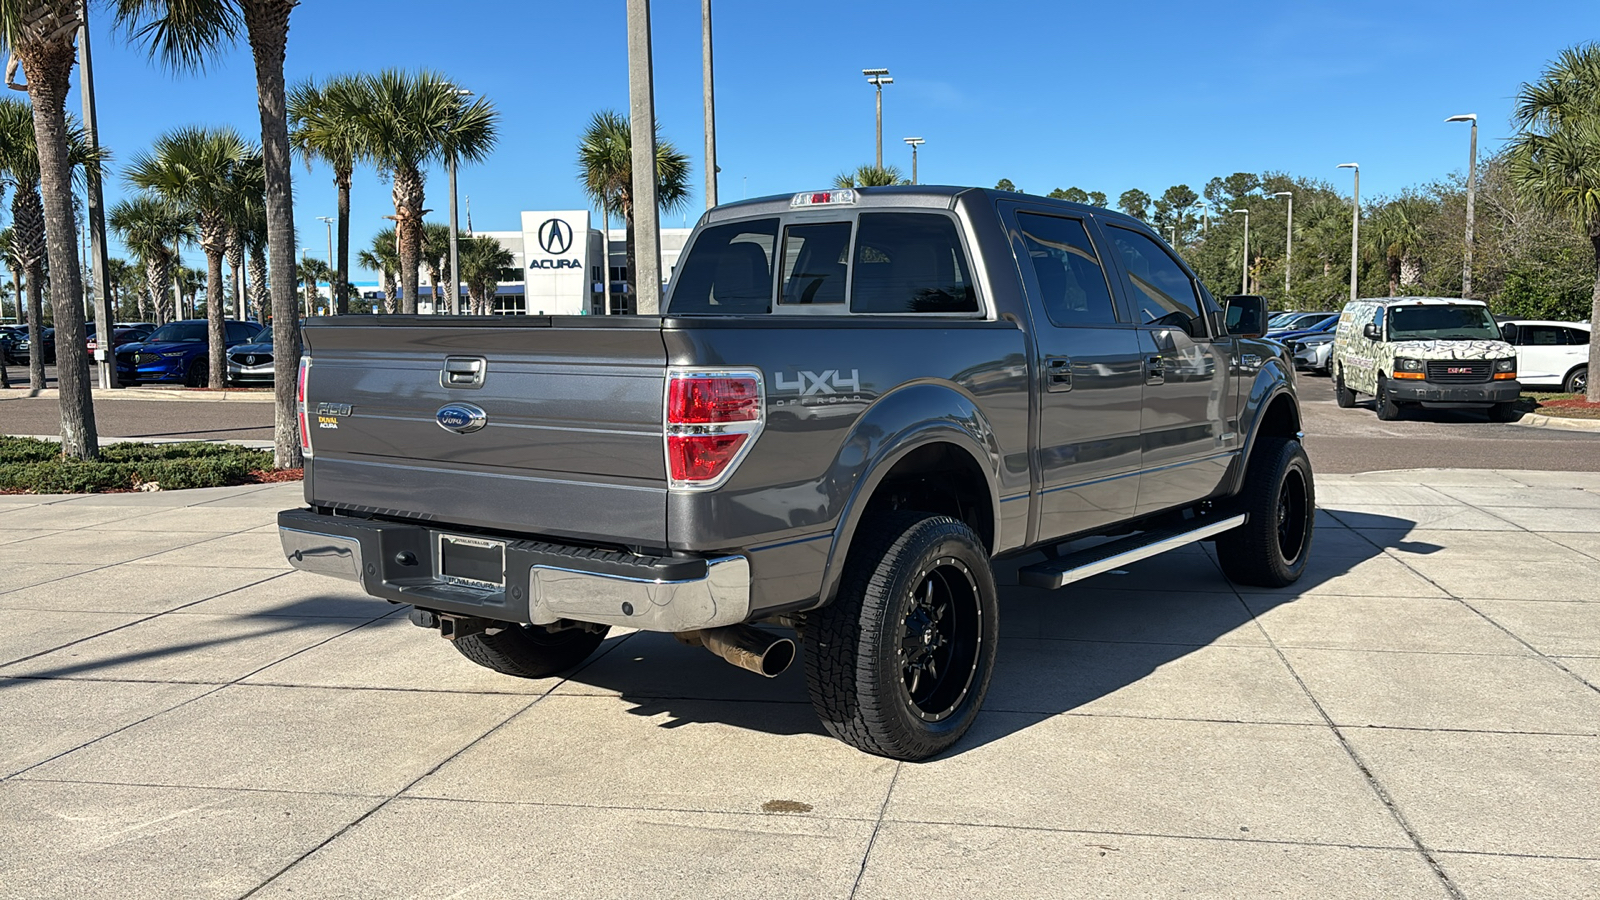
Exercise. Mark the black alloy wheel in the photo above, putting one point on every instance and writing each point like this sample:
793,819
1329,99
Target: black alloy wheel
939,641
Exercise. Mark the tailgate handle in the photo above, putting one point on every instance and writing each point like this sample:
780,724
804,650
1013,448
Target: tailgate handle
463,372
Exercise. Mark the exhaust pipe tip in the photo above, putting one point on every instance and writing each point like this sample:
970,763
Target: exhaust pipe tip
749,648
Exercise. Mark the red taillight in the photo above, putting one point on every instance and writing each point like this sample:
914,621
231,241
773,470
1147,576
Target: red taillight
710,400
712,418
300,402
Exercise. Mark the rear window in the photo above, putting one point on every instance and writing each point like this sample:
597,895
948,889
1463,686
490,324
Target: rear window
814,263
729,270
910,263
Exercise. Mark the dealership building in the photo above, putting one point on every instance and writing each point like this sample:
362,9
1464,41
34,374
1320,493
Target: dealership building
558,255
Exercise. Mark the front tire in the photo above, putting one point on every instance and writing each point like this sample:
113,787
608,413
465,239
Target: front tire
1343,396
1388,410
1504,412
1271,548
898,665
530,651
196,375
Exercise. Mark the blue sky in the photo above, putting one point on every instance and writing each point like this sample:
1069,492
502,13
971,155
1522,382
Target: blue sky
1105,96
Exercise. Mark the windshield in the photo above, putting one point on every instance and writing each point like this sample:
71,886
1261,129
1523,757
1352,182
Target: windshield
179,333
1439,322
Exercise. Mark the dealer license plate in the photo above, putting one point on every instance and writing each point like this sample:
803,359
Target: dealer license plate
472,562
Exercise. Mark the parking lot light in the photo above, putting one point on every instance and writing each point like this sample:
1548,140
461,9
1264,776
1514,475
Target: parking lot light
1472,171
878,78
1244,275
1288,251
915,142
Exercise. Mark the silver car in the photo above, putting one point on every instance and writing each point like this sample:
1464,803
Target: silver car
251,363
1312,352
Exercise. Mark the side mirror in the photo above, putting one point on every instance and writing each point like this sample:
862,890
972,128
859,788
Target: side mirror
1247,315
1370,332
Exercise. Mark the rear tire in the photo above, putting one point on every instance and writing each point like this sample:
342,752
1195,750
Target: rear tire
530,651
1388,410
1343,396
1280,497
899,663
1577,381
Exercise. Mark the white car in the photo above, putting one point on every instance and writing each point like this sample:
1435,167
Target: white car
1550,354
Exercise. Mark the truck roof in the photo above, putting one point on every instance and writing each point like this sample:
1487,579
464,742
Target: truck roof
927,196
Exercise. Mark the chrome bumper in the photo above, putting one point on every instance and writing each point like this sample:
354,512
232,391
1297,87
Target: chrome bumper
544,583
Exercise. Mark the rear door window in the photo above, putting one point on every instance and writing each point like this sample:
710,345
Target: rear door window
1163,294
1072,286
910,263
728,270
816,261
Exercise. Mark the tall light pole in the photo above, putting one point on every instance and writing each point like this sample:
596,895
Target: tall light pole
915,142
455,255
1244,276
106,361
1472,172
333,288
642,125
1288,250
1204,219
1355,227
878,78
711,116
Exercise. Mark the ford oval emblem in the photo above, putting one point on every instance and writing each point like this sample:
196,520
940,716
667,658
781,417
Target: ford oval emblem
462,418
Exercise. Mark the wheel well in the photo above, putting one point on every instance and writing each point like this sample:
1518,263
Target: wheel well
941,479
1282,419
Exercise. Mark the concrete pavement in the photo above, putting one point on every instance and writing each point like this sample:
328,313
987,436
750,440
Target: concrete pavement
182,716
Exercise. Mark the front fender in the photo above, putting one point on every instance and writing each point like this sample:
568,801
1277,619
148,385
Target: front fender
1274,379
900,422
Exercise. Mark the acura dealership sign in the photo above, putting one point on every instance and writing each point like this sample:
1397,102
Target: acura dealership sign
556,248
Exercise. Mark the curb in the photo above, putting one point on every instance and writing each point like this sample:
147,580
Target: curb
1534,420
248,445
134,393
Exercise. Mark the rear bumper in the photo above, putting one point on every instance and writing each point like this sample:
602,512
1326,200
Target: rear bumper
544,582
1485,394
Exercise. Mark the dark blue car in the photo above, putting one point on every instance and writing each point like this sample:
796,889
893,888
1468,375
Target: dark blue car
176,352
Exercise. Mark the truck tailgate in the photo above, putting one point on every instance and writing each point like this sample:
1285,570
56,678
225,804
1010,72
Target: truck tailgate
571,444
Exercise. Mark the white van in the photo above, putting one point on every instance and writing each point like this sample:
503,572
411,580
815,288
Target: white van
1425,351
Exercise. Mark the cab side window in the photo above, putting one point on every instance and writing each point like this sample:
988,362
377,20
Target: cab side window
1162,292
1072,285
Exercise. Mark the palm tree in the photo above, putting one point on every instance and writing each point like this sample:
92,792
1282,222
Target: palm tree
324,126
436,259
19,161
246,202
1393,237
154,230
409,120
1555,161
187,35
41,35
869,176
311,273
201,169
254,233
483,266
383,257
605,166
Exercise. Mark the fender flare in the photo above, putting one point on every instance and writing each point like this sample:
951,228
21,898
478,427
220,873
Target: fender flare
961,424
1274,388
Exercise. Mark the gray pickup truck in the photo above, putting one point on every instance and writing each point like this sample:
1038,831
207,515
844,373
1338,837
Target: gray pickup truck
854,403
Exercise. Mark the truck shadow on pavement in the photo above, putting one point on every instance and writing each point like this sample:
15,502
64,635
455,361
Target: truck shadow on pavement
1123,643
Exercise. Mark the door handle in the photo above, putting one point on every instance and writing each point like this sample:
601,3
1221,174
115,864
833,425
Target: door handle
1057,374
463,372
1155,371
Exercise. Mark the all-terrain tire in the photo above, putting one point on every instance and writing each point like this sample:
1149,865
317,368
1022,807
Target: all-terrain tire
1271,548
530,651
917,601
1388,410
1343,396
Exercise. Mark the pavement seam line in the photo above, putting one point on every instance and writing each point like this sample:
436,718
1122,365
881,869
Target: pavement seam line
415,781
1367,774
193,699
138,621
872,840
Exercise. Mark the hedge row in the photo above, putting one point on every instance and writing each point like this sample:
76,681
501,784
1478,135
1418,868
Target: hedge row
35,466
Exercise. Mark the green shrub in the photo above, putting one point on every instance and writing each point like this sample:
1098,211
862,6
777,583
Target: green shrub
36,466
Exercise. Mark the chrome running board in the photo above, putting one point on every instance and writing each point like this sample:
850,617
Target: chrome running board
1055,573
